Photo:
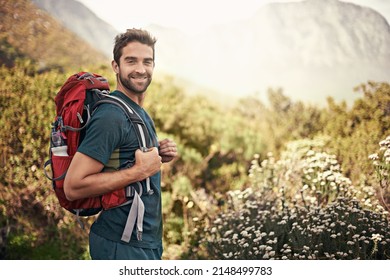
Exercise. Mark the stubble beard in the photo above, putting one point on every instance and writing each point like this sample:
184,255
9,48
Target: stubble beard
132,87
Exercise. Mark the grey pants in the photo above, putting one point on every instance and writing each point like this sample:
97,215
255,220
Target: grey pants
101,248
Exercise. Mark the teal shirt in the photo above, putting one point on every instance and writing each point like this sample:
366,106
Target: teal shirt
111,139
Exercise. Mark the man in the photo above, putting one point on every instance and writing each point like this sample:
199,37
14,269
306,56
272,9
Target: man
110,144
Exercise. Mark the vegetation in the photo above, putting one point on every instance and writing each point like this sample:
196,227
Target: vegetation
306,209
286,180
226,190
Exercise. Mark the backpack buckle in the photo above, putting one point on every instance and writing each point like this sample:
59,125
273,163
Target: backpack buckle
131,189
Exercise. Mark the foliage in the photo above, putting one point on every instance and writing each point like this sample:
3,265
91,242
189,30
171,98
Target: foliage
361,127
288,120
216,146
381,162
299,207
341,230
31,221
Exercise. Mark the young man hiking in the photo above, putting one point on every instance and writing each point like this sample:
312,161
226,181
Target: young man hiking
109,158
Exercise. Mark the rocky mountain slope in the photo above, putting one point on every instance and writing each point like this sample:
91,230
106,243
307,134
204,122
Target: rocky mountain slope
81,20
28,32
312,49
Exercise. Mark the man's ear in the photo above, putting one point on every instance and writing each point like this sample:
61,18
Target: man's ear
115,66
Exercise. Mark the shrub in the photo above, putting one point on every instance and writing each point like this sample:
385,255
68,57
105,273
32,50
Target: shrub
341,230
299,207
381,162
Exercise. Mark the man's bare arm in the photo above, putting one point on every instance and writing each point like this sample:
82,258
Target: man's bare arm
85,179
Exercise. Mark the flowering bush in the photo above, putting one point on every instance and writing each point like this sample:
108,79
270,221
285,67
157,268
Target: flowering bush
299,207
308,176
381,161
341,230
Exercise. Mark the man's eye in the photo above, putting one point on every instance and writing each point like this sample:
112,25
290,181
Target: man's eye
148,62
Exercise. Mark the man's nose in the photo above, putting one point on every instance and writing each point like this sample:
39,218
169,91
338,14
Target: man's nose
140,68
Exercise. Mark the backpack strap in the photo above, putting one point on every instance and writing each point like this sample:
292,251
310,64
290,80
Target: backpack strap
139,125
136,213
50,177
144,139
137,209
68,127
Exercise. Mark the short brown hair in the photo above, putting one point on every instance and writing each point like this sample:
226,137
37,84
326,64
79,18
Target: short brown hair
132,35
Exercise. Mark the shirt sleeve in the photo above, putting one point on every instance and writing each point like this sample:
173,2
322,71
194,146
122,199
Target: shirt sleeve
104,133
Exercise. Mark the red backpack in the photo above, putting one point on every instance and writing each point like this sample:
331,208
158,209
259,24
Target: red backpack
75,103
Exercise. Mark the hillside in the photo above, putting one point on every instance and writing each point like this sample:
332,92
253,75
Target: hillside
26,31
311,49
79,19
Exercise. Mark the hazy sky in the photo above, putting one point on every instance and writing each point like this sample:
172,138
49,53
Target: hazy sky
191,15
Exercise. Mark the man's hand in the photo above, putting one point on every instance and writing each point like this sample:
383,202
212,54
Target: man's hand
149,162
167,150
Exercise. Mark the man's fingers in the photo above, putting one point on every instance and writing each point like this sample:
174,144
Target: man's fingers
168,150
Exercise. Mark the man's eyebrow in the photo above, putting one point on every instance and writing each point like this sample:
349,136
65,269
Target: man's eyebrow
127,58
130,58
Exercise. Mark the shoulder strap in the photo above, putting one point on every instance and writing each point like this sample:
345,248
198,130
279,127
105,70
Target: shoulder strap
141,130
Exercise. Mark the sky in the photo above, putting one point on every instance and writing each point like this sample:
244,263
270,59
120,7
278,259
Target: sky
191,15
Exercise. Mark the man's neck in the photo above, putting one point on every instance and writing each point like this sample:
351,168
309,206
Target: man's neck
136,97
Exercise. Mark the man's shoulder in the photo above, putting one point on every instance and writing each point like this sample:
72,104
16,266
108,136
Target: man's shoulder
108,111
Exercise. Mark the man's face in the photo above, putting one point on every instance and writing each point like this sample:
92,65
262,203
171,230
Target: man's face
136,67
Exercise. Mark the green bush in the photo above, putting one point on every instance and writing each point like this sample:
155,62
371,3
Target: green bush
32,223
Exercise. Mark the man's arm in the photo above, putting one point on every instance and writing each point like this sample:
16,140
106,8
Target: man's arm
85,179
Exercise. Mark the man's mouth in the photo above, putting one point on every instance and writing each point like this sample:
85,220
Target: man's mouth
139,77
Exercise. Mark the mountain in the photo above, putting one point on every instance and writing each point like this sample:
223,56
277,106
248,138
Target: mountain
81,20
28,32
311,49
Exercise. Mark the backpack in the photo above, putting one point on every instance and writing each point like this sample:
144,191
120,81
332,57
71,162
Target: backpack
75,103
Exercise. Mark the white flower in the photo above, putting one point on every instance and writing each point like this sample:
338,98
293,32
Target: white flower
383,143
376,237
373,156
228,255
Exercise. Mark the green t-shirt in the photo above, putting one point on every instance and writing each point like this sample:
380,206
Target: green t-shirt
111,139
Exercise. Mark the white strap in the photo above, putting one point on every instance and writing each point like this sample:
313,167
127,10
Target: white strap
140,219
137,211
